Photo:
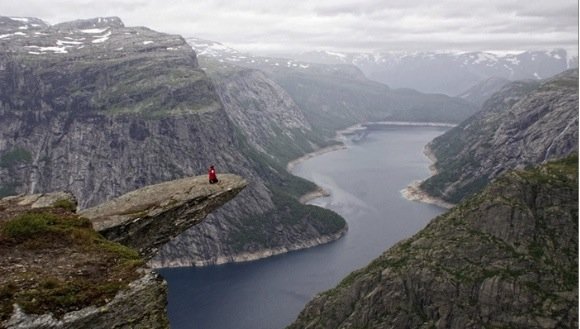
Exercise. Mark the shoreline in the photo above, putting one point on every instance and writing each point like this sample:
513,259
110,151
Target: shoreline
319,192
413,191
409,124
290,166
251,256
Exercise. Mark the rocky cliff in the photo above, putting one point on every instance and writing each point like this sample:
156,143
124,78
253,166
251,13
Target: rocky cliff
524,124
506,258
58,272
263,111
147,218
450,72
334,97
100,109
483,90
276,131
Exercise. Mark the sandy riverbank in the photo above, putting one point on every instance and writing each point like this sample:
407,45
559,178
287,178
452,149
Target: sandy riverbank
318,193
290,166
413,192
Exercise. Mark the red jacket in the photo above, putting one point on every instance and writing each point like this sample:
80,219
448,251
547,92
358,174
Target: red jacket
212,175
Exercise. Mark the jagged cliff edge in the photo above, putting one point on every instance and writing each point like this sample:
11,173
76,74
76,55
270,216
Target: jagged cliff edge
142,219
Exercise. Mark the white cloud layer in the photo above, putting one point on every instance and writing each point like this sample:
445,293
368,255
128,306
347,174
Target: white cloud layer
338,25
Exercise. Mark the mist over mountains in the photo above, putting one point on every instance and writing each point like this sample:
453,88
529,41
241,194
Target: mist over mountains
100,109
450,73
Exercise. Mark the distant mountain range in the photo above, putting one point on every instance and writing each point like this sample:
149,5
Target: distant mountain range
334,96
449,73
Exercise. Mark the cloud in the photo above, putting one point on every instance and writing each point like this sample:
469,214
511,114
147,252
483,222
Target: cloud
339,25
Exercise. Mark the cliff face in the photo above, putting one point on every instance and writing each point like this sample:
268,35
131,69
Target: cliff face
334,97
507,258
274,222
94,107
100,109
147,218
263,112
57,272
483,90
526,123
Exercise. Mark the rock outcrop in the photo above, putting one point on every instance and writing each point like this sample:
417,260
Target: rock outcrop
507,258
271,222
147,218
59,273
141,305
334,97
101,109
483,90
524,124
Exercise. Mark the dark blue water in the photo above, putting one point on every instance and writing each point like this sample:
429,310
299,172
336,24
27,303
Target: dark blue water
365,180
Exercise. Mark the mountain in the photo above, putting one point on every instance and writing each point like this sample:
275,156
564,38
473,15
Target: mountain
450,73
276,132
336,96
506,258
63,269
479,93
524,124
100,109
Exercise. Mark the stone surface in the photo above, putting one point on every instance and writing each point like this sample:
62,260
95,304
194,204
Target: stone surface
142,305
147,218
507,258
483,90
525,124
143,219
101,109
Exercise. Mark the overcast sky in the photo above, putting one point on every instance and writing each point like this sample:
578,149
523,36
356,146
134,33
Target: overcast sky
288,26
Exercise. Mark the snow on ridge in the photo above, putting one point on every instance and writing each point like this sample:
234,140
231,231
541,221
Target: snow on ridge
94,31
20,19
513,60
67,42
102,38
554,54
485,57
339,55
56,50
148,42
505,53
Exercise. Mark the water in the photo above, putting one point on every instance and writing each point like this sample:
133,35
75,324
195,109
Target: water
365,180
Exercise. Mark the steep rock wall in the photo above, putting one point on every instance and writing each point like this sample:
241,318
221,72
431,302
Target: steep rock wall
117,108
524,124
507,258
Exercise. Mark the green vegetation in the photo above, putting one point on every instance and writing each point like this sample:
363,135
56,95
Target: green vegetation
518,235
8,189
28,225
257,231
14,157
65,204
148,84
68,265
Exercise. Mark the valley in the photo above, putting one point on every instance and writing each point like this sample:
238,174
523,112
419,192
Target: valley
96,109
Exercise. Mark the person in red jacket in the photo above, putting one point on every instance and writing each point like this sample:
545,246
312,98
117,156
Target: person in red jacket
212,175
